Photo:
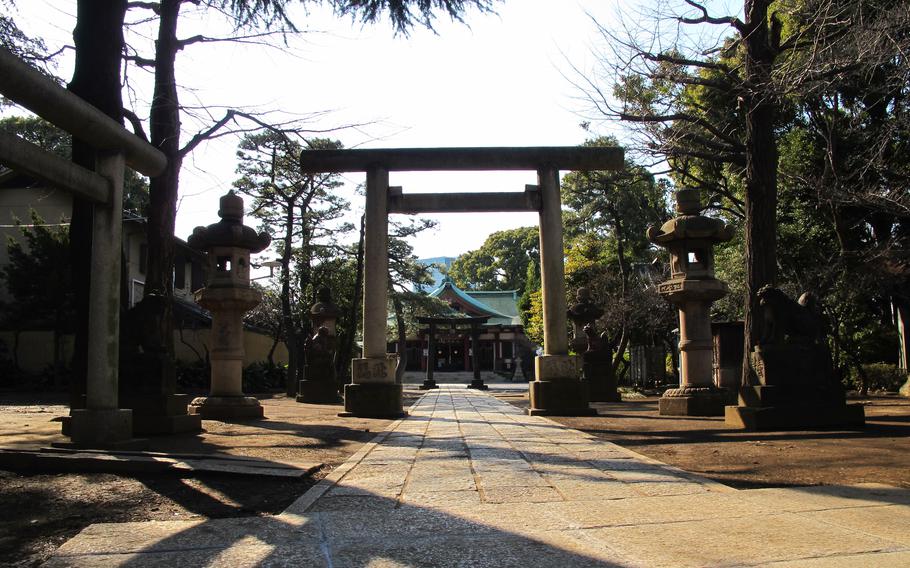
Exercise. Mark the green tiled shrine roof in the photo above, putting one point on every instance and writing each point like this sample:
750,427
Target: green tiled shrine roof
500,305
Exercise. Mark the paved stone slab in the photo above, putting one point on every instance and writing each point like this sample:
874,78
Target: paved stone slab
544,550
876,560
133,462
798,499
888,522
468,480
736,542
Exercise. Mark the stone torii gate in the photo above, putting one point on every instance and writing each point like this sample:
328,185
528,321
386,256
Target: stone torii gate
373,391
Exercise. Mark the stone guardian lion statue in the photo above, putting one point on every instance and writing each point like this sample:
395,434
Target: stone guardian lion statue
786,320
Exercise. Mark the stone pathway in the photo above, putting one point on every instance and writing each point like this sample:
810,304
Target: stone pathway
468,480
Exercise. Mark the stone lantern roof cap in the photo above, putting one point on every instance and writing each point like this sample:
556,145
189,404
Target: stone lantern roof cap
230,230
689,223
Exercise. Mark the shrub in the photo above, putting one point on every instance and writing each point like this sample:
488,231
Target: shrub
881,376
192,376
261,376
257,377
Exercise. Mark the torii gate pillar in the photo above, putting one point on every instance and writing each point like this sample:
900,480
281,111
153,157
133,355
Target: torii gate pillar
557,388
373,391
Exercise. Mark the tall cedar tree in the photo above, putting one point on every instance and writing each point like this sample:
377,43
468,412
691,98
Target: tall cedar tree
758,39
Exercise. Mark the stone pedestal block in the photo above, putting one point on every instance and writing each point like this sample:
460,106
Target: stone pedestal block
600,391
164,425
148,387
557,367
162,414
601,382
102,429
226,408
374,392
559,398
318,392
373,400
796,416
558,390
793,407
693,401
374,369
797,391
478,384
778,395
792,364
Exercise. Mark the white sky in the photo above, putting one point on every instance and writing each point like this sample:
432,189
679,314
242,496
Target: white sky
498,82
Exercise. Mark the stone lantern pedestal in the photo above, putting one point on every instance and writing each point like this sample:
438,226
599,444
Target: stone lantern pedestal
226,400
697,394
692,287
227,296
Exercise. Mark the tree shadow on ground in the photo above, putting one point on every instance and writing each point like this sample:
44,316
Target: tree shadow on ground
375,530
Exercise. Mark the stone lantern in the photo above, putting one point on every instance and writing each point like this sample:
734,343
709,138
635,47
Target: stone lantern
692,287
227,295
318,385
595,349
583,312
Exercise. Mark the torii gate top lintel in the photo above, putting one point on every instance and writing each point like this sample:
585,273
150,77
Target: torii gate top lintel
463,159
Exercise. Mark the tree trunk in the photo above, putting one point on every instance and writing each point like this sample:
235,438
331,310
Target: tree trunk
271,355
761,172
17,333
59,362
164,134
347,347
402,338
902,312
98,38
287,317
620,350
674,357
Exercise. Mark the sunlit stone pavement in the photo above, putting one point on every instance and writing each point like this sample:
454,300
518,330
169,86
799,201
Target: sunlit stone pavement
468,480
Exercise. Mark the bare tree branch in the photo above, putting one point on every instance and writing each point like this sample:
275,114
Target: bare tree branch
249,39
153,6
136,123
706,19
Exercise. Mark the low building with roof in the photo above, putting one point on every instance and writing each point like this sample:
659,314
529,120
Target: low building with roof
502,341
28,344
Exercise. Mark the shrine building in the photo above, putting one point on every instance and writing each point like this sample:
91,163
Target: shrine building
501,341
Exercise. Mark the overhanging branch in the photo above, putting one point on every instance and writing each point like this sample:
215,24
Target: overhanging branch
705,18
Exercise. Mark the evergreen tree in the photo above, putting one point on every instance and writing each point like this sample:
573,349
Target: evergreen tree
297,208
38,279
